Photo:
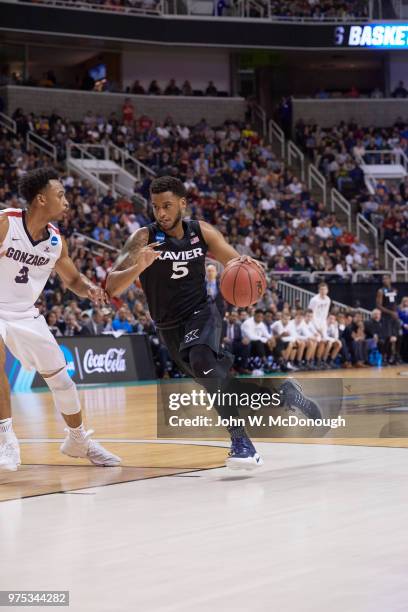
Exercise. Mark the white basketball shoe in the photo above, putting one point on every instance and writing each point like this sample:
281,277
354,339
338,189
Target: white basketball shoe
89,449
9,452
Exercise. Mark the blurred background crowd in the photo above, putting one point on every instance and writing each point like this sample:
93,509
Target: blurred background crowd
236,182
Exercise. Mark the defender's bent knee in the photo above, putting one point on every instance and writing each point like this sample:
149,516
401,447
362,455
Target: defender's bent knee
64,391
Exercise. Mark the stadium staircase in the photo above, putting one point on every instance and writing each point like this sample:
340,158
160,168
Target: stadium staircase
386,165
391,258
107,167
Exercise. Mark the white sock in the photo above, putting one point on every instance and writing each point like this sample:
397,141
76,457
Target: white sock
77,433
6,425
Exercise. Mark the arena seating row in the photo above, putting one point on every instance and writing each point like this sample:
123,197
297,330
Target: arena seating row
336,152
234,181
312,9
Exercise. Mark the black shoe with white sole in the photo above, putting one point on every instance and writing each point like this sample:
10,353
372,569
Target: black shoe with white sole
293,396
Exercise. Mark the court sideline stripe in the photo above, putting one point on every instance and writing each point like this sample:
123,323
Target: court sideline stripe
110,484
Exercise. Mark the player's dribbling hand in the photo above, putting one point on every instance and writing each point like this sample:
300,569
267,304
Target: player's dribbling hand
147,255
97,295
248,259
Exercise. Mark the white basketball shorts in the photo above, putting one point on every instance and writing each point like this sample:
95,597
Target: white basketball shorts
32,343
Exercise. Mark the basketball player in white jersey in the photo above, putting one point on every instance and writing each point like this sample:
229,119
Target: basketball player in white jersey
333,343
320,305
30,248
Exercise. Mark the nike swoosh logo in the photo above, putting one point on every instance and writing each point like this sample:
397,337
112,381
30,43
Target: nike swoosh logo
196,311
15,238
208,371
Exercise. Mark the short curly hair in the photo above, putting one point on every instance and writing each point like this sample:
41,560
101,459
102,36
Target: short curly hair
168,183
34,181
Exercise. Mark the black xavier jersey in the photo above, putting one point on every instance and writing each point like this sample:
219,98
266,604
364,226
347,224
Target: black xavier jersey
390,297
175,283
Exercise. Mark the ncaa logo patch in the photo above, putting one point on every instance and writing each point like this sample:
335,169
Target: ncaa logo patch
69,358
54,241
159,237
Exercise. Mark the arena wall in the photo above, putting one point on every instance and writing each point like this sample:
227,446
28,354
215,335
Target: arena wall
74,104
365,112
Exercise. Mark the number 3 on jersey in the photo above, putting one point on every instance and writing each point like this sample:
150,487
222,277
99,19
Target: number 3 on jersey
180,269
22,276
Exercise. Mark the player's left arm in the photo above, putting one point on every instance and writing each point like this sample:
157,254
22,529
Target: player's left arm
75,281
219,247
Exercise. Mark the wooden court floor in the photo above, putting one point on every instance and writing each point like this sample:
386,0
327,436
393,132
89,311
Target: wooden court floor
124,420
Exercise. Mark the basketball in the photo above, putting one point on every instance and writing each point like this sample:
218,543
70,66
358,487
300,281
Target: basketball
242,283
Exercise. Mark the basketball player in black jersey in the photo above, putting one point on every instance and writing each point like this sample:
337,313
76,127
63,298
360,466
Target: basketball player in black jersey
169,258
387,302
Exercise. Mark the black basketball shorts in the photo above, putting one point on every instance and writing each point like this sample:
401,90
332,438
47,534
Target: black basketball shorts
204,326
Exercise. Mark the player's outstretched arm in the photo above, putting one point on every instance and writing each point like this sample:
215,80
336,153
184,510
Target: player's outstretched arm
135,257
74,280
219,247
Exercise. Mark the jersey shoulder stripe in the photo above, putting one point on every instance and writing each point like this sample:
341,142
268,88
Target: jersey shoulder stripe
12,213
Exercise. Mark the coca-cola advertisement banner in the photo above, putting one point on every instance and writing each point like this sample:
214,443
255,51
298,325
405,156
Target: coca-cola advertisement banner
106,359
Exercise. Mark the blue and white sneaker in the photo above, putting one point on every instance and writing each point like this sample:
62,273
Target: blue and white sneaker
243,455
293,397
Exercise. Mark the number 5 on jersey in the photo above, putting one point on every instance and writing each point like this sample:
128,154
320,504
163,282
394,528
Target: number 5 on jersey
180,269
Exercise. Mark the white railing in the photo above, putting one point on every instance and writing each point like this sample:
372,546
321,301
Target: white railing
124,159
35,141
316,178
259,118
314,277
277,135
107,160
370,183
86,239
395,261
83,150
386,157
371,232
83,153
296,155
339,202
8,123
293,295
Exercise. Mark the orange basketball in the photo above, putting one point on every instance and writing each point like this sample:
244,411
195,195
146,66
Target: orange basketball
242,283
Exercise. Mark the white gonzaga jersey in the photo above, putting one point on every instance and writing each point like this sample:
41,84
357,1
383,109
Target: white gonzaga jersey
25,266
332,332
302,330
320,307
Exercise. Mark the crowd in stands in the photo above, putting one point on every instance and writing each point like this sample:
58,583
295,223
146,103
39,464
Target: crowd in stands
234,181
354,92
173,89
273,336
89,83
284,337
314,9
336,151
320,9
111,5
